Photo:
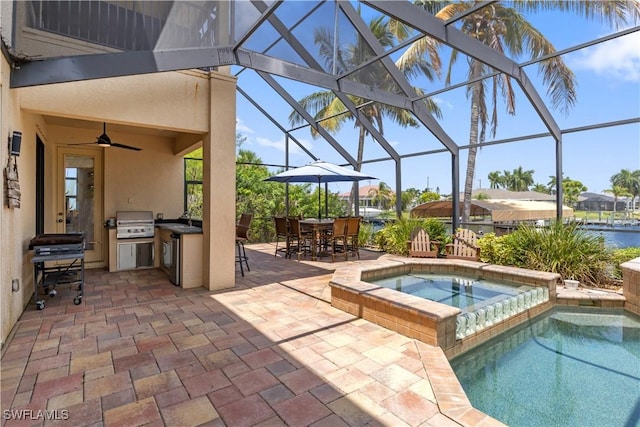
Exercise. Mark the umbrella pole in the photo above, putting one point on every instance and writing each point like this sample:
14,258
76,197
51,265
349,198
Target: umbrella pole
326,200
319,202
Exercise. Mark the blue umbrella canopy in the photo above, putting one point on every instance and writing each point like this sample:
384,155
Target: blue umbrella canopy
319,172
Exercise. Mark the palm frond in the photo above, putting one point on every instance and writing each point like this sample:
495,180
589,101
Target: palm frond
615,13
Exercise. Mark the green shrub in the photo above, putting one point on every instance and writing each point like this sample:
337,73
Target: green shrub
394,236
621,256
568,250
496,250
366,235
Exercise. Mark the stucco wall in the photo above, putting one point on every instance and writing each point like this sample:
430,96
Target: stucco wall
17,225
176,101
151,179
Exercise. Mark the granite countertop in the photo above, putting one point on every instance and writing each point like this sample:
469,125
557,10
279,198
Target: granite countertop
180,228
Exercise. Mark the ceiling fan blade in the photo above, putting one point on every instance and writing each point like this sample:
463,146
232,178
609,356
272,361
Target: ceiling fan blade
128,147
105,142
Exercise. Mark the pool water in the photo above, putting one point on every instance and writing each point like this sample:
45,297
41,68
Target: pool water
464,293
567,367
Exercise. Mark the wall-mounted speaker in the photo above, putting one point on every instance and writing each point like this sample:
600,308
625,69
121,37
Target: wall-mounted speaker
16,140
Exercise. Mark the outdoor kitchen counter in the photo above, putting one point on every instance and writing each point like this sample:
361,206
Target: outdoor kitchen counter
179,228
188,239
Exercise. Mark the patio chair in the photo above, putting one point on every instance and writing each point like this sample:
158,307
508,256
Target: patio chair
242,236
337,238
298,238
464,246
282,232
420,246
353,232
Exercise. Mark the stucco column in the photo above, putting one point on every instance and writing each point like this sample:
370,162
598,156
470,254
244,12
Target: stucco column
219,186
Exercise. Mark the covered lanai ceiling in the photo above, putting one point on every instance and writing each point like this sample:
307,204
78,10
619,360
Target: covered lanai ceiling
297,41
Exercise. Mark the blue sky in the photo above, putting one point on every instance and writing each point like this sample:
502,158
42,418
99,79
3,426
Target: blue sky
608,78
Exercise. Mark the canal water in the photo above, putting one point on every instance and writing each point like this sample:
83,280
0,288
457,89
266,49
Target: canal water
618,237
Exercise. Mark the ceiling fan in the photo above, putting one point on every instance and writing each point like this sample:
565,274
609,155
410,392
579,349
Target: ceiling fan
104,141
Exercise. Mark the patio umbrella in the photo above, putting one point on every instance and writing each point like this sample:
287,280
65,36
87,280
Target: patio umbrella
319,172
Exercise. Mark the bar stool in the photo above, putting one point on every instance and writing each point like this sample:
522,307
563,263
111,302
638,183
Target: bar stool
242,236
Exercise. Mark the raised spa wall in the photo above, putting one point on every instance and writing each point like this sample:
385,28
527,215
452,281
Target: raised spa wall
428,321
631,285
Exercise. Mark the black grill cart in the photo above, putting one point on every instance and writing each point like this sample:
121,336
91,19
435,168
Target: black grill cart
58,259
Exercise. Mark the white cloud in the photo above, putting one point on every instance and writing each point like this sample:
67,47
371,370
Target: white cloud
394,143
618,58
279,145
243,128
443,103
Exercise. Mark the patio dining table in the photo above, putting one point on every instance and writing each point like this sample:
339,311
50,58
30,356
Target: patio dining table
317,227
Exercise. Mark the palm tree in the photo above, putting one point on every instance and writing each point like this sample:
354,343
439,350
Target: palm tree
552,185
495,179
617,191
630,181
381,196
540,188
332,113
521,179
504,29
507,179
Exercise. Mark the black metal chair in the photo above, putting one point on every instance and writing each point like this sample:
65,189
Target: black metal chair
242,236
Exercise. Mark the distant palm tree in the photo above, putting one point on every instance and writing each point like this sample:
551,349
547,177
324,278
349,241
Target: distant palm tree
540,188
332,113
381,196
507,179
504,29
495,179
521,179
552,185
617,191
629,180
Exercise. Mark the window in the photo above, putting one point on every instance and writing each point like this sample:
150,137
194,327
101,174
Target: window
193,195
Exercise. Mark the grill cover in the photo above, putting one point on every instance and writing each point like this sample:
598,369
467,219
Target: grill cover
56,239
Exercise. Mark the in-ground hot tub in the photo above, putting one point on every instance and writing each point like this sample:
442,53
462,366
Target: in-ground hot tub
435,323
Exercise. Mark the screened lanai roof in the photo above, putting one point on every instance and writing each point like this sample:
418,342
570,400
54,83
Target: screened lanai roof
280,42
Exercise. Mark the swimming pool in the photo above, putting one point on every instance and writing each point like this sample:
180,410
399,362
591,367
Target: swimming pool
567,367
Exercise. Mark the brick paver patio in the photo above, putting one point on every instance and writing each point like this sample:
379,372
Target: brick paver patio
271,351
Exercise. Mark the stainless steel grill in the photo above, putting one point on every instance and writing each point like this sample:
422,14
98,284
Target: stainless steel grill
134,224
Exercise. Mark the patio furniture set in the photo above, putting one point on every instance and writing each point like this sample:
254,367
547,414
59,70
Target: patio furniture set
317,237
